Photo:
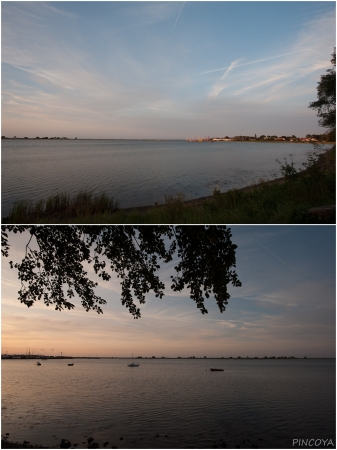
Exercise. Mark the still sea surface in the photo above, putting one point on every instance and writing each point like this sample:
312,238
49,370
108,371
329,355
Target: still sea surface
136,172
169,403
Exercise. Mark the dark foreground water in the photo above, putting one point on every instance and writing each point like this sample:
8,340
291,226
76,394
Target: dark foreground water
136,173
169,403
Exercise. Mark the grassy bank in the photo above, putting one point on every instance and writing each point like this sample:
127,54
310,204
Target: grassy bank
286,200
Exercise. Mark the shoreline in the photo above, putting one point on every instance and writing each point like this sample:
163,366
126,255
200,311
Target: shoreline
192,202
325,162
272,141
157,358
197,202
200,200
9,444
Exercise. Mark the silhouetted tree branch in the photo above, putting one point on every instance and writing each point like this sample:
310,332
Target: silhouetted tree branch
53,271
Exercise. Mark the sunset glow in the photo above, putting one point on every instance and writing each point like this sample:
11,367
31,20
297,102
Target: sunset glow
285,307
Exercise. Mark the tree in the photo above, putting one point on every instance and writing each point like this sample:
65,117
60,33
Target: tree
52,269
326,93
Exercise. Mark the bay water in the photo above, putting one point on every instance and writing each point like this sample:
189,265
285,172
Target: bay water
169,403
137,172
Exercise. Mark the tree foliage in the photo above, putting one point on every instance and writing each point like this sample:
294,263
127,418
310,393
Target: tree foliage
52,269
326,93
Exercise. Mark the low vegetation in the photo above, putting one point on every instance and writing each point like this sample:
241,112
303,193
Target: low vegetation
61,208
285,200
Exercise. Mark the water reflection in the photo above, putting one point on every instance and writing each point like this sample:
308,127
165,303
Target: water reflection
136,173
169,403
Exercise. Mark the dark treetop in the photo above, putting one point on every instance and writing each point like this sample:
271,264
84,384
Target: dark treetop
326,93
52,269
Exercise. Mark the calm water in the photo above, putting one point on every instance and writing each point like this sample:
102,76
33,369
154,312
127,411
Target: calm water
169,403
136,173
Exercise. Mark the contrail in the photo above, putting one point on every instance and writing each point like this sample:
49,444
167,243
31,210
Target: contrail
218,86
231,67
238,65
71,54
177,17
242,65
282,261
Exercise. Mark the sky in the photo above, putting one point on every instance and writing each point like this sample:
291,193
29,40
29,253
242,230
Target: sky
286,306
163,70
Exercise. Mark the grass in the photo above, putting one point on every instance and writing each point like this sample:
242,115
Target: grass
60,208
283,201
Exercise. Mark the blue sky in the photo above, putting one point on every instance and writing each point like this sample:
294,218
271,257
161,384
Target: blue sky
163,69
285,307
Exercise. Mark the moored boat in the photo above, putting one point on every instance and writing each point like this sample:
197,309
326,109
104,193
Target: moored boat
216,370
133,364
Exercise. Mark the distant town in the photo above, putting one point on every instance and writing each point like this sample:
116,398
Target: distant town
38,356
308,138
262,138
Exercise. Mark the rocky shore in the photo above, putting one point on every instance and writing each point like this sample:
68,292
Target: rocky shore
6,444
65,443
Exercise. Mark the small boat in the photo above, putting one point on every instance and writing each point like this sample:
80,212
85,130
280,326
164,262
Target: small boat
216,370
38,363
71,364
133,364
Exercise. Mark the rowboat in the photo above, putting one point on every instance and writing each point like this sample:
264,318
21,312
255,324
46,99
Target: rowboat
216,370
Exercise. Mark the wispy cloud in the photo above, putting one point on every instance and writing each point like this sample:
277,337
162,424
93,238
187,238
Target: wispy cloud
301,60
71,54
52,10
219,86
262,83
291,268
122,74
175,23
258,61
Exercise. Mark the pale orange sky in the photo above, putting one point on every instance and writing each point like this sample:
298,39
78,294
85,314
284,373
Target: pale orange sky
286,306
